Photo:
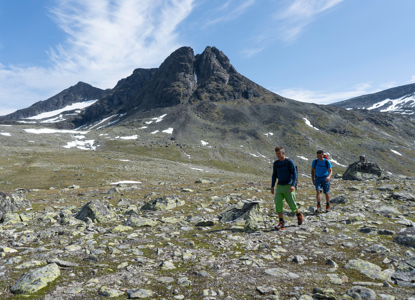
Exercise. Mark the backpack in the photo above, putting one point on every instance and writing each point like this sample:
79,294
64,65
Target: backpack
296,169
315,163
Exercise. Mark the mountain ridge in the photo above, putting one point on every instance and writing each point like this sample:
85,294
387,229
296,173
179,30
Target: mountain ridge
399,99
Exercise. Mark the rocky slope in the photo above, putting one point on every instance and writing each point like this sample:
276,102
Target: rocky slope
399,100
78,93
188,231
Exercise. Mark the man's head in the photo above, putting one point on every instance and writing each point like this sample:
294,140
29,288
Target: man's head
280,152
320,154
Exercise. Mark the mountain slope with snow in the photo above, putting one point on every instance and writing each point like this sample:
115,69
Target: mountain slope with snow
399,100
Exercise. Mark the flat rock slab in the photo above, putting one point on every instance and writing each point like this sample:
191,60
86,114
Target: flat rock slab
406,237
370,270
62,263
35,280
282,273
139,294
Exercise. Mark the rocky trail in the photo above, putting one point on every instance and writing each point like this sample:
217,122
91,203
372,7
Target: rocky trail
207,239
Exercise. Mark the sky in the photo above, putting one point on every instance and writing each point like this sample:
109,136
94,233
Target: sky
319,51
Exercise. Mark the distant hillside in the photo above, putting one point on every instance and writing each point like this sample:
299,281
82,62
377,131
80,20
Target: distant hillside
80,92
399,99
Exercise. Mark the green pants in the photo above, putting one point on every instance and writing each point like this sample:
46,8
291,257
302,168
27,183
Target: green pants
282,193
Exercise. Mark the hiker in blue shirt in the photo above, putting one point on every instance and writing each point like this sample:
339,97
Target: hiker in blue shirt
321,171
286,172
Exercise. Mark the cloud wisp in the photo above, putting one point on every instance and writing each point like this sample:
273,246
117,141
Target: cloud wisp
106,41
321,97
287,23
293,19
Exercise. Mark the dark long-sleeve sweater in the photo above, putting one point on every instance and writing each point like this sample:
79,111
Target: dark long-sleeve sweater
285,171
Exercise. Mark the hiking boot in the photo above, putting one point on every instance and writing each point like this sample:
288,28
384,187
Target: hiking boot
318,210
327,208
280,226
300,219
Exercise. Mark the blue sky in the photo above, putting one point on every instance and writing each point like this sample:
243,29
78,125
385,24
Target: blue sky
320,51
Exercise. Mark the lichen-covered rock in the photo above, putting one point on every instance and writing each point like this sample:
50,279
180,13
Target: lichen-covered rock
163,203
359,292
120,228
107,292
10,203
249,213
406,237
139,293
363,171
35,280
96,211
405,273
11,219
136,221
370,270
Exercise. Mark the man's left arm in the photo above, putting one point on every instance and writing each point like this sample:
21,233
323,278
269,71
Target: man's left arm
330,172
294,176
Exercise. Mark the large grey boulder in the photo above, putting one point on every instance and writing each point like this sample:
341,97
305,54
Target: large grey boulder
362,170
360,292
35,280
10,203
341,199
406,237
405,273
163,203
249,213
96,211
403,196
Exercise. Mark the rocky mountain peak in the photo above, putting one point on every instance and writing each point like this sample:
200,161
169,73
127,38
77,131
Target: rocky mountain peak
214,65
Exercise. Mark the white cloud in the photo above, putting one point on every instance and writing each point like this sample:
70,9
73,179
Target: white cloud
322,97
299,14
413,79
287,23
106,41
227,12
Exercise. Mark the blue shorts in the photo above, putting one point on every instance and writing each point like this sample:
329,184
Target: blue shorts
321,184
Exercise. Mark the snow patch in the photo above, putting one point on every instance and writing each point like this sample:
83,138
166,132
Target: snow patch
5,133
307,122
396,152
83,145
73,106
268,134
302,157
204,143
168,130
126,181
133,137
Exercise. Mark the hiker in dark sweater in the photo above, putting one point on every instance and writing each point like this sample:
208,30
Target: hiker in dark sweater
284,169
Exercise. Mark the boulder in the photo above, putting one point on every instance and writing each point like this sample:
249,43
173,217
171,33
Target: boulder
35,280
163,203
403,196
250,213
96,211
340,200
359,292
10,203
370,270
363,170
405,273
406,237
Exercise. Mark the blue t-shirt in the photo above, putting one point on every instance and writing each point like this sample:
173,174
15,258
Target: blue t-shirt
320,167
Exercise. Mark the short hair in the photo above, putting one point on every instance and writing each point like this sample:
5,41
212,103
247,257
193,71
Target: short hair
320,151
279,148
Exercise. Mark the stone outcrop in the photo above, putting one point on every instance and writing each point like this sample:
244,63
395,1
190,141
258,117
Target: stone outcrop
248,214
406,237
163,203
10,203
96,211
363,170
